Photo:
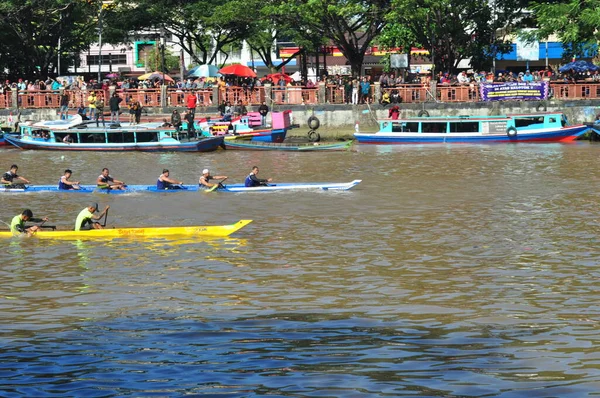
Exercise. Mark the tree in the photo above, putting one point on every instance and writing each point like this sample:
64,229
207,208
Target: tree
350,24
203,28
154,59
453,30
574,22
30,31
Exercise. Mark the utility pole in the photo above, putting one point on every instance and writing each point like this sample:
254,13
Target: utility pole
100,42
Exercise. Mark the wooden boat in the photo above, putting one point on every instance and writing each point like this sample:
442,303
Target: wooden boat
152,232
245,127
535,127
340,186
283,146
147,137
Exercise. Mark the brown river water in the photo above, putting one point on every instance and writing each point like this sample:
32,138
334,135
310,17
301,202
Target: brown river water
450,271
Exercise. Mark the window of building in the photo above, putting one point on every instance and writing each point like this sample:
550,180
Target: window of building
108,59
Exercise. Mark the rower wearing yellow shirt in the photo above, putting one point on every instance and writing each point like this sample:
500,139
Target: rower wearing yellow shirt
87,220
17,225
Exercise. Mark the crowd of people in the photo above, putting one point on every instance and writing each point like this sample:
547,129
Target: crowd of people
340,88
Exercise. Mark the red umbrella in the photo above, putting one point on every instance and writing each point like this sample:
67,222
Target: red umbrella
238,70
276,77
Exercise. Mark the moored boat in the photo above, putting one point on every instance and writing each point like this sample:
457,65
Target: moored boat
151,232
291,147
535,127
85,136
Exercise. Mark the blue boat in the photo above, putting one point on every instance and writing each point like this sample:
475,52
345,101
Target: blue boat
535,127
85,136
335,186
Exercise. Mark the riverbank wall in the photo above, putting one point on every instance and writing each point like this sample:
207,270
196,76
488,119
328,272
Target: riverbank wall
339,121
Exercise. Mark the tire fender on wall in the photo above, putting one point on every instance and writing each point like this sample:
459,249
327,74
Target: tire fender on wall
423,113
314,122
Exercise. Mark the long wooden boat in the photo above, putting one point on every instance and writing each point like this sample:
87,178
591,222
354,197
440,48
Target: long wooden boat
153,232
534,127
241,127
283,146
340,186
147,137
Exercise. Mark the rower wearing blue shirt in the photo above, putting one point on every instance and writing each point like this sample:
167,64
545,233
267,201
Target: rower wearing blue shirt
65,184
164,182
253,181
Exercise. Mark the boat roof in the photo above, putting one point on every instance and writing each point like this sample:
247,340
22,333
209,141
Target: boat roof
472,118
75,125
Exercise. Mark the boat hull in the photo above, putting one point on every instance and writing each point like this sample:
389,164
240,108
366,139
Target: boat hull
266,146
111,233
566,134
208,144
292,187
86,189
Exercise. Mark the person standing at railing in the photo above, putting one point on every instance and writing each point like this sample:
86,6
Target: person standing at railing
64,105
100,112
92,104
263,110
114,104
176,119
365,91
191,102
355,91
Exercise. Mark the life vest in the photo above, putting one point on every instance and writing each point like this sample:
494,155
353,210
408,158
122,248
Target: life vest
63,186
249,182
161,184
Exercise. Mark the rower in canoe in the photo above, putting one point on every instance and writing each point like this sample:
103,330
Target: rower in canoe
106,181
8,179
253,181
165,182
17,225
64,184
87,220
204,181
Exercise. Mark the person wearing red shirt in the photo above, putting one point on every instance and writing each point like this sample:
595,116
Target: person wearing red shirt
191,101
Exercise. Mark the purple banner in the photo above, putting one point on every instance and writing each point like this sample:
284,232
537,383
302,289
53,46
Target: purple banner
514,91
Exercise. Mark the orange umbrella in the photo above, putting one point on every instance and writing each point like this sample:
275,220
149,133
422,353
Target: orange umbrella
237,70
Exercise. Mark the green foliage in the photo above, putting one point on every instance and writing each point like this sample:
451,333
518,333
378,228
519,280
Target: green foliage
575,23
154,59
452,30
350,24
30,32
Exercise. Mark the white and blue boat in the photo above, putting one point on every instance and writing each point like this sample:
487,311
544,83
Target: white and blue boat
85,136
535,127
324,186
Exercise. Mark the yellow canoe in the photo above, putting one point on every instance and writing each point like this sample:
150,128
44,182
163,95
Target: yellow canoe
152,232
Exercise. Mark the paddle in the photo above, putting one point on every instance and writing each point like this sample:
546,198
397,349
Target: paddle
105,218
216,186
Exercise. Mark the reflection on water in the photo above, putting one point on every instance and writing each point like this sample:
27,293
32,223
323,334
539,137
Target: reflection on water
464,270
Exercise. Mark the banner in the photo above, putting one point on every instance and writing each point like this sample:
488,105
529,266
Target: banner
514,91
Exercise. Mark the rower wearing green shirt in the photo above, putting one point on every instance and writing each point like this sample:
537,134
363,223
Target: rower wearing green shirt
87,220
17,225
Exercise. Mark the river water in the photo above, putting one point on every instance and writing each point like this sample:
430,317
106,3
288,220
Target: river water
450,271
